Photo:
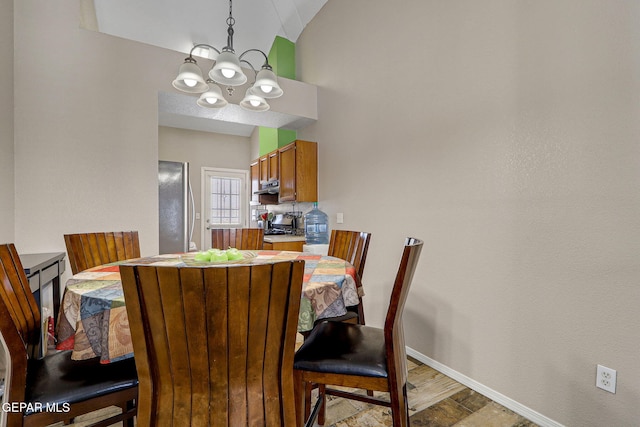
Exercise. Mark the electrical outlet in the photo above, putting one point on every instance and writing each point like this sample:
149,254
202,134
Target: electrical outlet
339,218
606,378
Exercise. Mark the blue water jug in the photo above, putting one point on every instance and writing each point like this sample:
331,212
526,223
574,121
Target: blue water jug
316,226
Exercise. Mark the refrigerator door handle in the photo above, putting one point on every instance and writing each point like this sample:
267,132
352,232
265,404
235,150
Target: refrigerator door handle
193,214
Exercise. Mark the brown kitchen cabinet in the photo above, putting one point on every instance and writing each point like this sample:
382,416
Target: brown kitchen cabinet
298,169
268,166
264,168
274,158
295,166
283,246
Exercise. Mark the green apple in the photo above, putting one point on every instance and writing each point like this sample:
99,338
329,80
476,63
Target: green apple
234,254
202,256
217,255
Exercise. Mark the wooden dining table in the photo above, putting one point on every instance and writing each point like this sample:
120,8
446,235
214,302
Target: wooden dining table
93,321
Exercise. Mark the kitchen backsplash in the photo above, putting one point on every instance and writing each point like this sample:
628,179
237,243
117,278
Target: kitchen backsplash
302,208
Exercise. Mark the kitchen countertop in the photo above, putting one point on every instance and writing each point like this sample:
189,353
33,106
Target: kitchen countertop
277,238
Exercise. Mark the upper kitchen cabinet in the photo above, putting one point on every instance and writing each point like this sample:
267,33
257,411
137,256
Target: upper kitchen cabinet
298,172
268,166
264,168
274,166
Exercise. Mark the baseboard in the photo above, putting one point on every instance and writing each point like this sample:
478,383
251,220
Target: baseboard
499,398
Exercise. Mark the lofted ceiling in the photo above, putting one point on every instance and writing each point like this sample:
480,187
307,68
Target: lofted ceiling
178,25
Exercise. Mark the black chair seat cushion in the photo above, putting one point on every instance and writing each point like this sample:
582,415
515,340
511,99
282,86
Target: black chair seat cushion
349,315
56,379
343,348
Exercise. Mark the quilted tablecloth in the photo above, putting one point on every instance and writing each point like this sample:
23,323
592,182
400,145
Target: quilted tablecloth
93,320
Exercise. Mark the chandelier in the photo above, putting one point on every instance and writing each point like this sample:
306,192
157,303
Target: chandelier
226,71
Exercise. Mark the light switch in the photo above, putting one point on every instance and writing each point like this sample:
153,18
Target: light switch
340,218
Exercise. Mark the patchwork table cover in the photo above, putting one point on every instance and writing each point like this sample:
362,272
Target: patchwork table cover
93,321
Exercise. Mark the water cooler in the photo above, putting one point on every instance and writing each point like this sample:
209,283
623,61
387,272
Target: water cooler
316,231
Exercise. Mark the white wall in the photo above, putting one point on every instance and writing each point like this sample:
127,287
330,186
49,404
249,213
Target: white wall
86,130
507,136
6,123
255,143
203,149
6,141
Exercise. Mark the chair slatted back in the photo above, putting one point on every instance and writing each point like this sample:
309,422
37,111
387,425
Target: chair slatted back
240,238
19,319
352,246
393,330
214,345
88,250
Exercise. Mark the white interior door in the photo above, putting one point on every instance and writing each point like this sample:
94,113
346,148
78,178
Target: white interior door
225,200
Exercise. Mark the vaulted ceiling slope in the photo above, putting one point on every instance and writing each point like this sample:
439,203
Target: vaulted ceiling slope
179,24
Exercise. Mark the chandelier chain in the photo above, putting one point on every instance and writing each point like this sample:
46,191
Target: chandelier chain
231,20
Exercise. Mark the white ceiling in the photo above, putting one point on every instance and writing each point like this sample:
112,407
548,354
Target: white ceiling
179,24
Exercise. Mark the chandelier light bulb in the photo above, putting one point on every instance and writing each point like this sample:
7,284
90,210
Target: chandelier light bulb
189,78
227,70
228,73
213,97
266,84
253,102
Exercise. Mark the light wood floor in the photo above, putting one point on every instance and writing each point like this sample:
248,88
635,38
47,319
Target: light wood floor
435,400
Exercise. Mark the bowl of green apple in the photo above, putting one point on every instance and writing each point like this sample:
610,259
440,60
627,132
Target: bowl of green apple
223,256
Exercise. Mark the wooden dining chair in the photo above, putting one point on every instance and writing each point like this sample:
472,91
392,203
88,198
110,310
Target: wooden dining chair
214,345
358,356
53,388
249,239
88,250
351,246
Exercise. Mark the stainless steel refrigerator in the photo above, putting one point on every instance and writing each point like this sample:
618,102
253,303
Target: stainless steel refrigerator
177,210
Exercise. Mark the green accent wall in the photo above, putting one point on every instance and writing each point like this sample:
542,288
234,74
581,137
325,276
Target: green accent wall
282,58
268,139
286,136
272,139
